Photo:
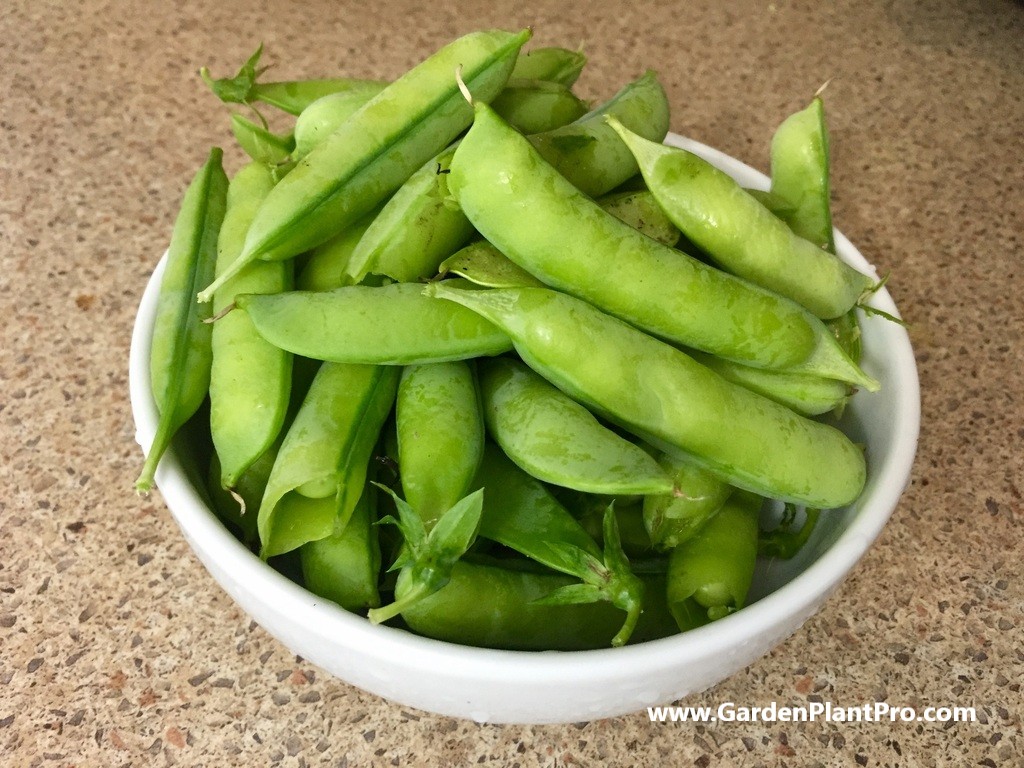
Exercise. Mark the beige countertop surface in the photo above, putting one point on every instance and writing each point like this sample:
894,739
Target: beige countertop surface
117,648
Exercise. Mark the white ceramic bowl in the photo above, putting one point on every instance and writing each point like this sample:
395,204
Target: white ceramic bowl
549,687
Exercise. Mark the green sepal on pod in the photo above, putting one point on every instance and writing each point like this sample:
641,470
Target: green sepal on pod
427,558
373,153
180,355
289,96
525,517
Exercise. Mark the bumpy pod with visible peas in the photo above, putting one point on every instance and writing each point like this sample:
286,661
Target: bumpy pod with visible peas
250,379
739,233
544,224
555,439
664,396
180,356
372,153
710,574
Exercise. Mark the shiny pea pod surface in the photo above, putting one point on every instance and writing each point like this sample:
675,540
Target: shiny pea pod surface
555,439
663,395
390,325
540,221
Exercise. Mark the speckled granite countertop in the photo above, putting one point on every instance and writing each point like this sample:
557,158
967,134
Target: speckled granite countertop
117,649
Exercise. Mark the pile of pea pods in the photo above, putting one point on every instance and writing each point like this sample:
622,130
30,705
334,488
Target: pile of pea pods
466,354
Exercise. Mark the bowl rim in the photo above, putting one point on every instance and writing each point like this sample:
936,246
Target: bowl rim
797,597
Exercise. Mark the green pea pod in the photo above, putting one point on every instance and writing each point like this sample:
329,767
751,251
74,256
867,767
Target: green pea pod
548,227
629,517
800,174
290,96
325,453
262,145
673,518
327,266
321,118
556,65
802,392
641,211
250,379
428,557
555,439
390,325
535,106
179,361
499,604
710,574
372,153
664,396
740,234
772,201
521,514
483,264
440,432
417,228
589,154
344,567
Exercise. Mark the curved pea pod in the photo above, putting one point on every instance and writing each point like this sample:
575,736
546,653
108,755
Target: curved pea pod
416,229
344,567
179,361
482,264
250,379
260,144
390,325
327,265
740,234
321,118
440,433
545,225
555,439
325,454
800,174
641,211
499,604
710,575
802,392
373,152
696,497
522,515
290,96
667,398
589,154
557,65
535,106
